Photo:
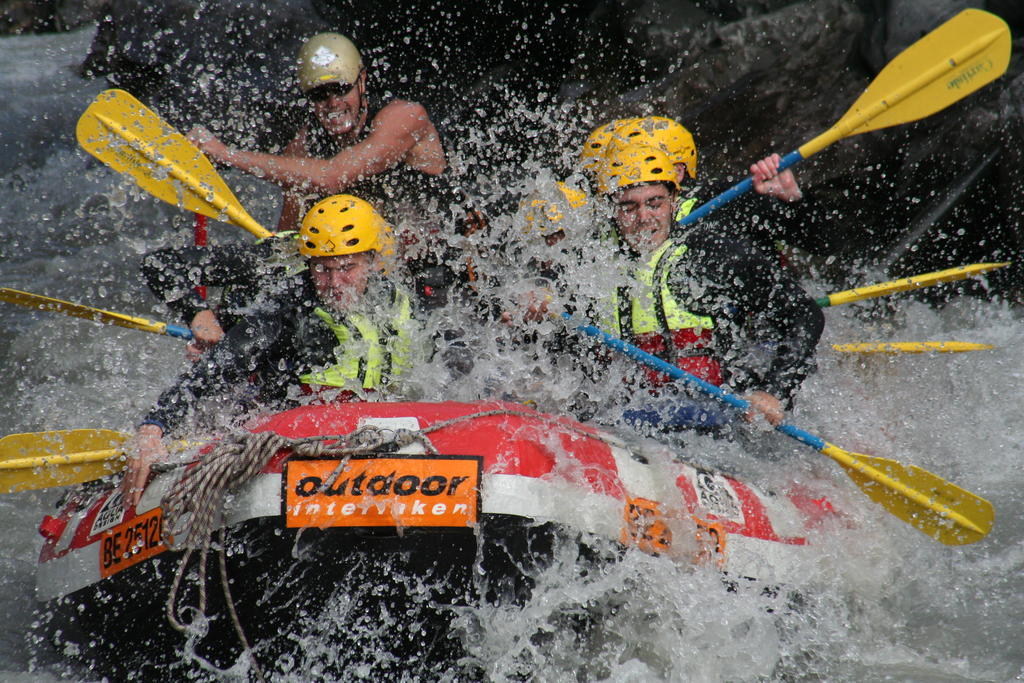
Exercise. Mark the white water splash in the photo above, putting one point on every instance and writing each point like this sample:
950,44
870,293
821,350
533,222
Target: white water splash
882,603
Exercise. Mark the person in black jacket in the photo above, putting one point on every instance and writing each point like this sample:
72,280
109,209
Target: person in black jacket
711,303
238,272
340,325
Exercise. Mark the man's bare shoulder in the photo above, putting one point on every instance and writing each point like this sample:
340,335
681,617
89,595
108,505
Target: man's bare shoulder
401,111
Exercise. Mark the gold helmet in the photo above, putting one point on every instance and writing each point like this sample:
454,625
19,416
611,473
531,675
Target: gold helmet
627,165
662,132
596,144
328,58
544,215
344,224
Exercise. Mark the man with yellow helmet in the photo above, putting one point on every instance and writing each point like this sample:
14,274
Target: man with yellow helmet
678,144
339,325
712,304
545,216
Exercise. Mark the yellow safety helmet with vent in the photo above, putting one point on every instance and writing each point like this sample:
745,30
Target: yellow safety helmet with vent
659,131
328,58
344,224
544,215
633,164
596,144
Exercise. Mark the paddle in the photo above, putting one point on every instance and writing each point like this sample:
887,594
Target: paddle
912,282
912,347
927,502
967,52
39,460
45,303
126,135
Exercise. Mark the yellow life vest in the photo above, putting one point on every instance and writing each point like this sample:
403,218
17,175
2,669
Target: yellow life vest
367,356
684,208
654,309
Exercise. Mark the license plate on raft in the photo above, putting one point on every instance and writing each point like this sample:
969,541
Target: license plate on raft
383,491
131,542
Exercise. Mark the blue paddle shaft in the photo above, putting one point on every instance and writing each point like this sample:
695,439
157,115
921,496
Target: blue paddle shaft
735,191
685,377
178,331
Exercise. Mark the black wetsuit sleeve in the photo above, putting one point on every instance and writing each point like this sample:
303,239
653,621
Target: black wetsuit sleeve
766,327
173,273
765,221
803,224
245,349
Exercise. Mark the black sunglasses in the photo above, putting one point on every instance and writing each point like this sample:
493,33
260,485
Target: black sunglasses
321,93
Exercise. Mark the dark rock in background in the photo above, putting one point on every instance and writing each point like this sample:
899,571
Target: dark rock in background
518,80
229,66
44,16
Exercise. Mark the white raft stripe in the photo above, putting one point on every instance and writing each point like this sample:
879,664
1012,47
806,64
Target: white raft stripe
555,501
539,499
508,494
68,573
504,494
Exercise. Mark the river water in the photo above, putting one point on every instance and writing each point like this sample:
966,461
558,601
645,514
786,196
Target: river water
881,603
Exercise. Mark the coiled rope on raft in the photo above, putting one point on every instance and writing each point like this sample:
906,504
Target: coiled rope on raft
193,507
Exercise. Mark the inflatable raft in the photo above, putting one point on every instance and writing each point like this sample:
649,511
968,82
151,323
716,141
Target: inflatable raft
406,511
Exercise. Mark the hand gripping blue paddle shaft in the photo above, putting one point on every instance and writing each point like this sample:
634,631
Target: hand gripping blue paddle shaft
685,377
735,191
924,500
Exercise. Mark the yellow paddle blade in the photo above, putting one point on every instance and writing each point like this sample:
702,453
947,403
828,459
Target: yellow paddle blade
58,442
40,460
908,283
927,502
912,347
126,135
967,52
45,303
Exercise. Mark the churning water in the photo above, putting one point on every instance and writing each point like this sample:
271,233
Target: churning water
880,603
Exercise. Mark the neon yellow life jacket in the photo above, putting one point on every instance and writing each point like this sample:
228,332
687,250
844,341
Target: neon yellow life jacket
649,312
655,322
684,208
367,356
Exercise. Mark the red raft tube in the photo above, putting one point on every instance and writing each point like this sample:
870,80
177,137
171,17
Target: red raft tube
427,507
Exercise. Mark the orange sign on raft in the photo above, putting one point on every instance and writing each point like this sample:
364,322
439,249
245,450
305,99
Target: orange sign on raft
383,491
131,542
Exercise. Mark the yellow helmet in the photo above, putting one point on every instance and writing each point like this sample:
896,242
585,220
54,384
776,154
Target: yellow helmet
596,144
328,58
544,215
633,164
659,131
344,224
